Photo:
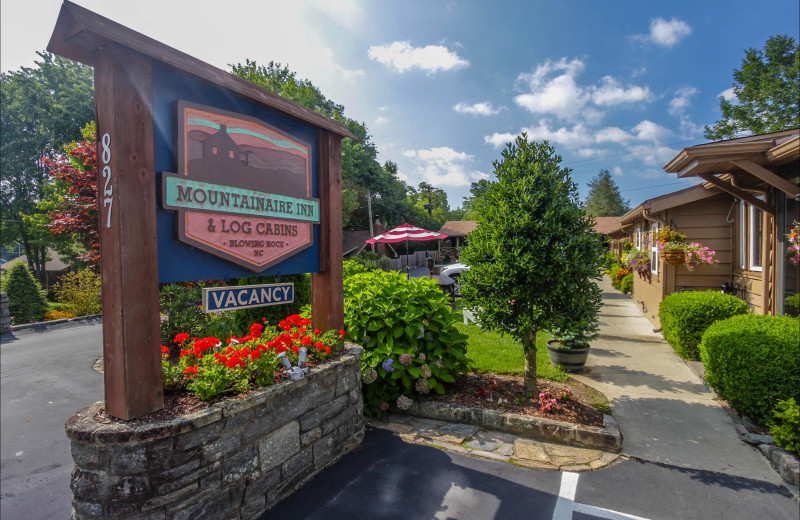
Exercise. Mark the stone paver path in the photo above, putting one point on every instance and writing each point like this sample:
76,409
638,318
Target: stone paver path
486,444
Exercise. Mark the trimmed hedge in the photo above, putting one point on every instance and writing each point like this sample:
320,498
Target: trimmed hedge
791,305
626,285
685,316
753,362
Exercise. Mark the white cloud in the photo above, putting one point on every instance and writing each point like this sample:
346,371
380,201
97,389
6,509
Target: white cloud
650,155
665,33
678,106
552,88
617,171
402,56
560,95
650,131
444,166
383,109
638,72
728,95
611,93
612,134
381,120
576,136
478,109
499,140
591,152
410,153
681,101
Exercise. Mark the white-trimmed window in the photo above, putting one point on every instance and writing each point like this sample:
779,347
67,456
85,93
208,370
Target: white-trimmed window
639,238
741,237
653,248
756,238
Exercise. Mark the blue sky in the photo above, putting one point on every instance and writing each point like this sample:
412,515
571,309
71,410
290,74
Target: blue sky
442,86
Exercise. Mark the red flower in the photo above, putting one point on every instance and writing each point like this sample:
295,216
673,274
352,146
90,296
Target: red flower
181,337
255,354
319,345
185,352
281,349
295,335
317,331
256,329
295,348
306,340
190,370
341,332
164,350
327,350
305,321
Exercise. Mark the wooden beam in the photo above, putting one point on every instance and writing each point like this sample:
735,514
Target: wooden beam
790,188
737,192
129,261
327,294
80,32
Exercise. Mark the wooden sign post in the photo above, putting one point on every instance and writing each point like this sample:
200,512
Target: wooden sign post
139,85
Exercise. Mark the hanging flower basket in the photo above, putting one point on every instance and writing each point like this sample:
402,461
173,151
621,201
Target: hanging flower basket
674,256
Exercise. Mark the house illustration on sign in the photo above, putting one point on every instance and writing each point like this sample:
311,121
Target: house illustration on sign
224,161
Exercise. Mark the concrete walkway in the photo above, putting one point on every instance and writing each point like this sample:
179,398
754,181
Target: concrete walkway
663,409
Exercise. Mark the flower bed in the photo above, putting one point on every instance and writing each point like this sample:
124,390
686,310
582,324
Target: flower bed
233,459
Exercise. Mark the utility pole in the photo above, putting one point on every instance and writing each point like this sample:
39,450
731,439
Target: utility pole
369,211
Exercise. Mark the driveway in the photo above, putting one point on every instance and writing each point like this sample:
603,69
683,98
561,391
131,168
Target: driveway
46,377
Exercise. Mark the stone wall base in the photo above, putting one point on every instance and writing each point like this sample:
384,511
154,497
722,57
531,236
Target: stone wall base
234,459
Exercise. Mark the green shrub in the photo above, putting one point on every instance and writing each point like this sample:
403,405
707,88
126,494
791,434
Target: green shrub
791,305
180,306
607,259
787,428
79,291
385,262
686,315
411,344
25,301
351,267
753,362
626,285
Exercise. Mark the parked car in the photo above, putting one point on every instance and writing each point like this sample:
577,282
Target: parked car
454,271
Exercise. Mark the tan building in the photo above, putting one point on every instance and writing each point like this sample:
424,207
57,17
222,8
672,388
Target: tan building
701,212
762,172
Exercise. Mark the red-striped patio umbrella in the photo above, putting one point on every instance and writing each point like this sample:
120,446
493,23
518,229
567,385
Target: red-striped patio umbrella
406,232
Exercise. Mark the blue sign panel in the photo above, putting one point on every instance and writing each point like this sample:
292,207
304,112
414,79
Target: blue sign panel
188,251
218,299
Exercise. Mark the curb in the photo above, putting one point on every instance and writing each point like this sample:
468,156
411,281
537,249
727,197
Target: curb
43,326
607,437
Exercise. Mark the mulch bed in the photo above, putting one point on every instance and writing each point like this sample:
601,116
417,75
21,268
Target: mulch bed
581,409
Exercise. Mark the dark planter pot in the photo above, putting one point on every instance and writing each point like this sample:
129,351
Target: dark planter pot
570,359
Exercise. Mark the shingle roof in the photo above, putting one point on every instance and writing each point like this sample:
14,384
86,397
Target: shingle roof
458,228
606,225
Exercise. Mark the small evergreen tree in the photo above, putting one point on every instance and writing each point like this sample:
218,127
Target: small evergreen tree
604,199
25,301
534,255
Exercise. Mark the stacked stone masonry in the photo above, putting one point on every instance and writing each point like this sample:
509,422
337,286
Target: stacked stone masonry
234,459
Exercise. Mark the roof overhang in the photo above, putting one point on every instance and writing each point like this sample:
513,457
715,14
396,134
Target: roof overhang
80,33
742,166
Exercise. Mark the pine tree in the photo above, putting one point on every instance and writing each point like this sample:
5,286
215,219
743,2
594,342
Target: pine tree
25,302
604,199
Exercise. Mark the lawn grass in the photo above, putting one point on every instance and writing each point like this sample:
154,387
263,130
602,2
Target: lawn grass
492,353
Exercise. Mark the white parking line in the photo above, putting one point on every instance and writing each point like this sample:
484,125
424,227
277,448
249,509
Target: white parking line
566,505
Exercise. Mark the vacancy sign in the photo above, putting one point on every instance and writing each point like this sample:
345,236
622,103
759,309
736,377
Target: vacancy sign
219,299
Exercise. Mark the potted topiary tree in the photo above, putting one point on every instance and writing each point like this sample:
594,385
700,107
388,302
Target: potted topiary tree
570,348
534,257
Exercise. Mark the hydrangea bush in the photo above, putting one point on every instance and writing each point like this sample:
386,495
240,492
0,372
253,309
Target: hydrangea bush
209,366
407,328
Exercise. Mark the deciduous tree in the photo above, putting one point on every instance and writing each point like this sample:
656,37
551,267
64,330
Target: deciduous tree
767,89
42,108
